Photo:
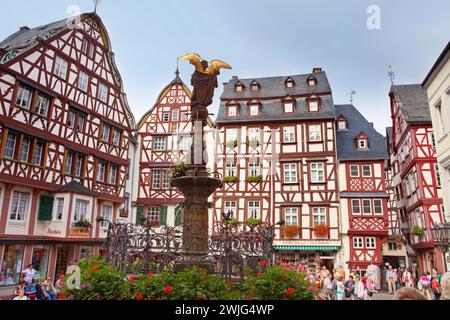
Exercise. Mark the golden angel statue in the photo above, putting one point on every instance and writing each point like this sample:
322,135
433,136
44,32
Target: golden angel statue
204,79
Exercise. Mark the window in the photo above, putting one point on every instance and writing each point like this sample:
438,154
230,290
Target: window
80,123
83,81
231,136
68,166
438,176
392,246
231,207
156,179
315,133
312,81
102,93
319,216
254,110
342,125
367,206
19,206
317,172
358,243
239,88
41,104
11,268
153,214
367,171
116,137
356,206
354,171
165,180
313,106
231,169
71,119
290,83
24,97
112,174
107,215
37,155
432,139
362,143
160,143
232,111
253,134
291,216
255,86
61,66
59,209
77,118
166,116
288,107
91,50
25,150
101,166
370,243
81,209
289,134
105,132
184,116
10,146
378,206
253,209
253,169
74,164
84,46
175,115
290,173
440,120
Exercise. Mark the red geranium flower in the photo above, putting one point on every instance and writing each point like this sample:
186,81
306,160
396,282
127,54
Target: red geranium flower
139,296
262,263
150,274
168,290
132,278
289,292
96,267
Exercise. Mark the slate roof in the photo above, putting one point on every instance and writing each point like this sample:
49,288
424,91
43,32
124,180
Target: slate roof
271,93
413,102
78,188
346,140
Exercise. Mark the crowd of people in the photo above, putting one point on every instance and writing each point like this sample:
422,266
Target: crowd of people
32,287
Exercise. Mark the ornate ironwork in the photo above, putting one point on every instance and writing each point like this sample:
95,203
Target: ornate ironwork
151,248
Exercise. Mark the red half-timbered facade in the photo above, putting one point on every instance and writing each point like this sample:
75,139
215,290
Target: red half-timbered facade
65,145
417,187
364,198
275,147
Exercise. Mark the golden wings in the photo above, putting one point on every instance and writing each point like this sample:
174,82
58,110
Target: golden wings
196,60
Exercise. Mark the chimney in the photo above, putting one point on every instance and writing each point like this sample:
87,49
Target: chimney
24,28
225,86
234,77
317,70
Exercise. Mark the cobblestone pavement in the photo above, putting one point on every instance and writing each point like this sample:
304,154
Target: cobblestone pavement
383,296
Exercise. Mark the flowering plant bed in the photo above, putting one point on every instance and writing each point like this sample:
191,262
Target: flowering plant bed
291,231
321,230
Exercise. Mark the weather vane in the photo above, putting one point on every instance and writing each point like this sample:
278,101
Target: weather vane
391,74
96,3
352,94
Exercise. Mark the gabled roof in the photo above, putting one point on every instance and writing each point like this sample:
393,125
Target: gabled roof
443,58
413,102
78,188
346,140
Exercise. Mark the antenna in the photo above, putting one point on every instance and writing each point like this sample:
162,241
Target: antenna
351,95
391,74
96,3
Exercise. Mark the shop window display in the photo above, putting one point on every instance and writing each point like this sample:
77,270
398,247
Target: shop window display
40,260
11,265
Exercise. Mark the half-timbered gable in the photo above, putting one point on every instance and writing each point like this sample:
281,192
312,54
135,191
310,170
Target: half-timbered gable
279,160
65,136
364,199
417,189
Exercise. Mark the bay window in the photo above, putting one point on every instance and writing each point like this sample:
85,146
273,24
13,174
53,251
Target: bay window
81,210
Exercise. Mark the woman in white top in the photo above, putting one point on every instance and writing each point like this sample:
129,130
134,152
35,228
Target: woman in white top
359,289
340,290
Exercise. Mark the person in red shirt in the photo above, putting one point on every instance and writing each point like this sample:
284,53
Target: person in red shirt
435,288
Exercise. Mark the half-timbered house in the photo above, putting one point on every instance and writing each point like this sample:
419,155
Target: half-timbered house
418,184
276,149
65,144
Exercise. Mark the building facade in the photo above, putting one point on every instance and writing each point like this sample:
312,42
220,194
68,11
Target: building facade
66,145
276,149
437,85
417,188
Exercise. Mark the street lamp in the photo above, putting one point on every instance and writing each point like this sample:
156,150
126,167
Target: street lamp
441,235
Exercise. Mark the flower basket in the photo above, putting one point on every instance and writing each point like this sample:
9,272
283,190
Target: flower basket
254,179
321,230
230,179
418,231
232,144
253,222
291,231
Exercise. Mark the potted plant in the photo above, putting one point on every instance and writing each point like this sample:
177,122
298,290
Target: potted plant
179,171
418,233
253,221
254,179
232,144
321,230
230,179
253,143
291,231
83,224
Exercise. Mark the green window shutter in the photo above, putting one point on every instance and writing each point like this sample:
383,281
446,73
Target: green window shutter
139,214
178,215
163,215
45,212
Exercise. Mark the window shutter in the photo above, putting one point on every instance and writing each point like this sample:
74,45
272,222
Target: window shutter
178,215
45,212
139,214
163,215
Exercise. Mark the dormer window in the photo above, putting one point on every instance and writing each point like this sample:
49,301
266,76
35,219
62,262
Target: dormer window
313,106
239,87
342,123
362,141
232,111
254,109
290,83
312,81
288,105
255,86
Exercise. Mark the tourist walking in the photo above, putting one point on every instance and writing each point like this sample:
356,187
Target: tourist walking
425,286
340,290
407,278
328,287
392,280
435,287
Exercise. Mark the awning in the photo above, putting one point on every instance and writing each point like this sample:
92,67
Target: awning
307,248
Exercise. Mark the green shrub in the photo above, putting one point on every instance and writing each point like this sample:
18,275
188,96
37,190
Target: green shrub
418,230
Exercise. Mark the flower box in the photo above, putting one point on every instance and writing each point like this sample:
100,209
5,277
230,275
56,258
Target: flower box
232,144
82,224
291,232
231,222
321,230
254,179
253,222
230,179
253,143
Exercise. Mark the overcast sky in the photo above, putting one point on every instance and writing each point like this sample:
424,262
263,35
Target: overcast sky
262,38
